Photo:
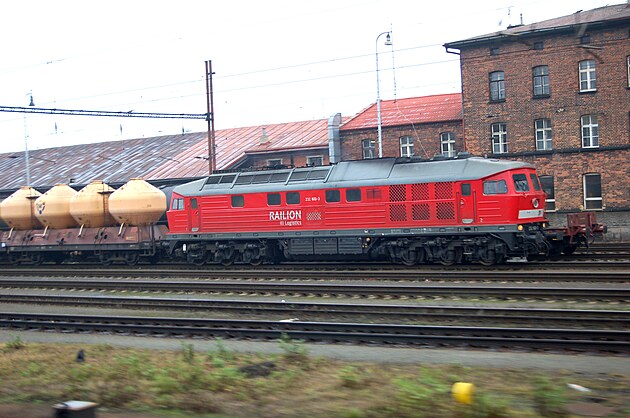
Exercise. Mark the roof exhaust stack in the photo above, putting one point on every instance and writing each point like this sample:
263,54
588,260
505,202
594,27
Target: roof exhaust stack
334,141
264,138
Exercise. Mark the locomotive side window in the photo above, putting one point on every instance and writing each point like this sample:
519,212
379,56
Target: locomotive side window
273,199
193,203
353,195
535,182
178,204
495,187
333,196
520,183
466,189
238,201
293,198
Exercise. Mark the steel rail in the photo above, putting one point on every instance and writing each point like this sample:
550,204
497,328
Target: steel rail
609,340
326,289
569,316
331,274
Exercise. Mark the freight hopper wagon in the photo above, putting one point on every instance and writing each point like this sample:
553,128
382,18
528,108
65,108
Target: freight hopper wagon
96,223
403,210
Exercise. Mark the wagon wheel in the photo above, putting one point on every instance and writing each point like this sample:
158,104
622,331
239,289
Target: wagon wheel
105,259
132,259
14,258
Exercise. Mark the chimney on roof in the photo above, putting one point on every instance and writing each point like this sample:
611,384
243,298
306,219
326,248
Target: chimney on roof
264,138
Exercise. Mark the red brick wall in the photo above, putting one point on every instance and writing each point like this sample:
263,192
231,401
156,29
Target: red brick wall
426,139
568,162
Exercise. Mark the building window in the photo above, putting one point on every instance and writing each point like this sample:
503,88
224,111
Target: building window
590,131
548,187
585,39
588,79
368,149
274,162
543,134
315,161
494,51
497,86
628,63
592,191
406,146
499,138
539,45
447,143
541,81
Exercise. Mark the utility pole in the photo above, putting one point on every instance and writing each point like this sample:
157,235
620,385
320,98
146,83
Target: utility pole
212,156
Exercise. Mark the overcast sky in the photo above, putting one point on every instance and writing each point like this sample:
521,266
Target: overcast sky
275,61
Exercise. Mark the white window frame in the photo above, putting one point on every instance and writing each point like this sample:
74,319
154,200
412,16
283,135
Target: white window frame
309,160
588,75
628,62
406,146
499,138
551,201
447,144
543,134
368,149
592,199
590,131
274,162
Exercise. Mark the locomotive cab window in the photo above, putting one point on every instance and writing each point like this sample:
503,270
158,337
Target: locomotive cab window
333,196
520,183
353,195
238,201
273,199
193,203
177,204
293,198
495,187
466,189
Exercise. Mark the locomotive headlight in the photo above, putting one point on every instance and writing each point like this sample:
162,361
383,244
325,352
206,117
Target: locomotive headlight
520,227
535,202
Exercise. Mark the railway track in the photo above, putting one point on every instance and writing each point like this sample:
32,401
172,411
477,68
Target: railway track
572,318
327,274
414,335
365,290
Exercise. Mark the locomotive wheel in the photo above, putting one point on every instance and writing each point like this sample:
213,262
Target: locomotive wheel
487,258
228,261
197,261
256,261
450,257
412,257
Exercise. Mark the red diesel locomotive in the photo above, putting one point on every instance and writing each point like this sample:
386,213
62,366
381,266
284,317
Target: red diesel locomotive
400,209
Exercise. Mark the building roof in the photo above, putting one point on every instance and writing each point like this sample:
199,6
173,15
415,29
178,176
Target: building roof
607,15
414,110
157,158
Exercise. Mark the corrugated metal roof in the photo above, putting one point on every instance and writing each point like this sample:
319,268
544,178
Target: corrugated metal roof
163,157
425,109
233,144
606,14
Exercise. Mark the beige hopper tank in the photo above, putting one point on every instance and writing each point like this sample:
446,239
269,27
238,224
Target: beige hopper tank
52,208
90,206
137,203
18,210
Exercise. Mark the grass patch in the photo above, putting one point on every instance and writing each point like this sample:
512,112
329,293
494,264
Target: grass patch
221,383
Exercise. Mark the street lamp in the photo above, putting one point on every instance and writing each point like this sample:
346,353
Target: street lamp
388,41
28,168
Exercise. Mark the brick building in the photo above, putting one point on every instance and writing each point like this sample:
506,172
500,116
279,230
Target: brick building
557,94
422,126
